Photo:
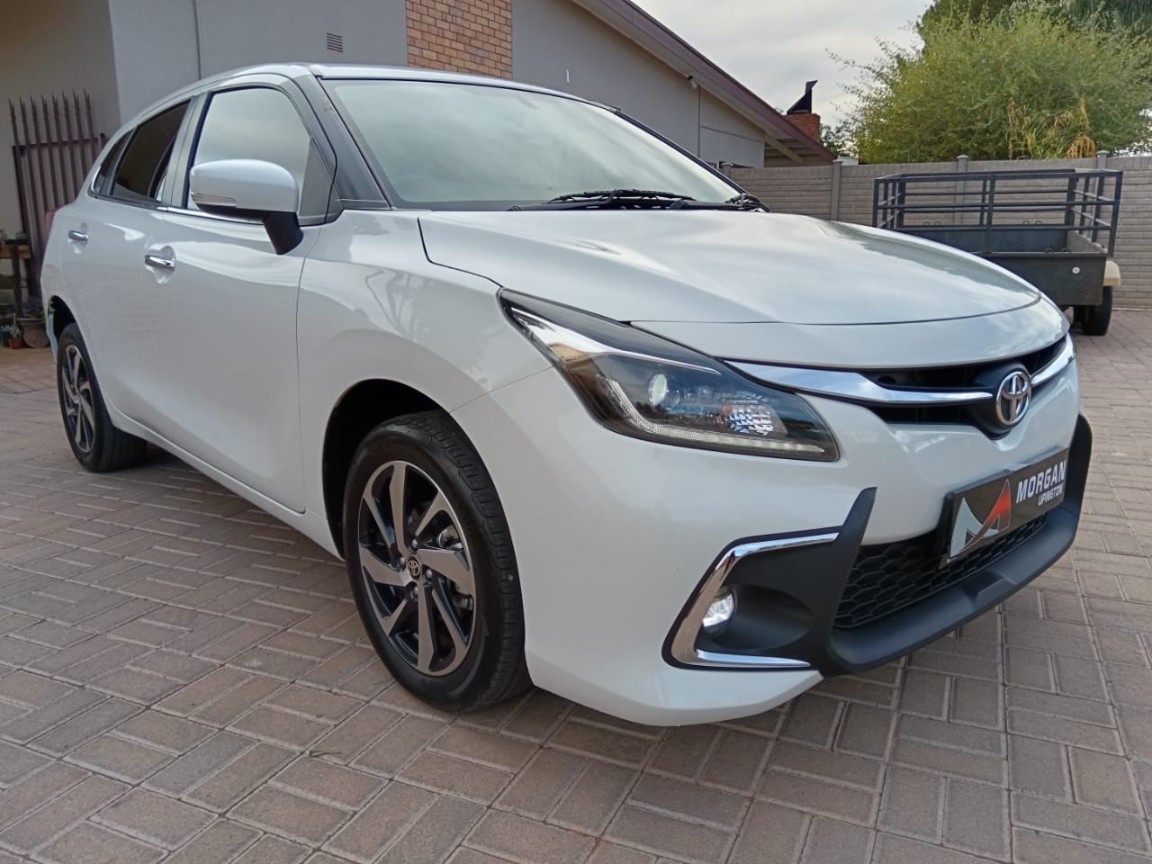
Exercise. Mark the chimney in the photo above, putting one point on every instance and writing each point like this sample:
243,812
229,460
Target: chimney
809,124
801,113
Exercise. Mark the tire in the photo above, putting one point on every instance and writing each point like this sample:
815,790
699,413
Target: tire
1094,320
96,443
450,570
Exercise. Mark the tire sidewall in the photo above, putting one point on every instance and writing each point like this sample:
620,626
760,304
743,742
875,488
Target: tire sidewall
390,443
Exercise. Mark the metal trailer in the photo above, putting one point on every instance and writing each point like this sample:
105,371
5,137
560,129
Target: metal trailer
1054,228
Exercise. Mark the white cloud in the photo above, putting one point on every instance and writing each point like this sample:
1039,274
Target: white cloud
774,46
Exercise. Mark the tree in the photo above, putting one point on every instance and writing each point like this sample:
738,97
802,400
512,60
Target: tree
1024,85
1135,14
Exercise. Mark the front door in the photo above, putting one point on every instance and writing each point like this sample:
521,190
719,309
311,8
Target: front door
226,306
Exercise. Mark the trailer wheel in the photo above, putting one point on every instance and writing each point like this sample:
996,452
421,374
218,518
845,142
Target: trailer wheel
1094,320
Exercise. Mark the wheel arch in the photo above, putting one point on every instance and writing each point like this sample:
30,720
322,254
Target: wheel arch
61,316
360,409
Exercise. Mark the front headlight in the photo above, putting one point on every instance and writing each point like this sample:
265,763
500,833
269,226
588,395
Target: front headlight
644,386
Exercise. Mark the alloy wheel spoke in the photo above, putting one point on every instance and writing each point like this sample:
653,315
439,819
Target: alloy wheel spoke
451,620
399,615
397,494
379,570
369,501
439,505
85,402
74,367
451,564
425,634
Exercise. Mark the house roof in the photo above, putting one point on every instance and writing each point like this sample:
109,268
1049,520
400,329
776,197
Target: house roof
785,140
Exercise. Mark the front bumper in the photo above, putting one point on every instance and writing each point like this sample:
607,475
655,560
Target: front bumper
613,535
796,619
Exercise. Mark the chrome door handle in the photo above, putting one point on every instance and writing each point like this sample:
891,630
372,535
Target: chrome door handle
77,236
158,263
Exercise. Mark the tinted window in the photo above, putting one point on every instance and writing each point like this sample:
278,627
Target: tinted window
263,124
144,166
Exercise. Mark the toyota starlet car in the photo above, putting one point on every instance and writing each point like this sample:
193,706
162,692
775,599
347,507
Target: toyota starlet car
574,408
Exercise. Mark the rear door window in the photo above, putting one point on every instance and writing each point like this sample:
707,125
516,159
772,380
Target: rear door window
146,161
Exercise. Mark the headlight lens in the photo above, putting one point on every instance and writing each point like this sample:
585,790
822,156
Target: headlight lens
644,386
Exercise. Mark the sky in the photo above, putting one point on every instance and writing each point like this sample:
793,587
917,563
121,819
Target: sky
774,46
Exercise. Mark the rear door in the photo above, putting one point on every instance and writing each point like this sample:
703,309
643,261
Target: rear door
225,302
102,257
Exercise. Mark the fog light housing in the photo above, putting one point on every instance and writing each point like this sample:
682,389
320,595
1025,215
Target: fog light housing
720,611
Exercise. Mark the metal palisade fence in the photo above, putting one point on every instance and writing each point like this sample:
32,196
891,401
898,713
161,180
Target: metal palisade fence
55,143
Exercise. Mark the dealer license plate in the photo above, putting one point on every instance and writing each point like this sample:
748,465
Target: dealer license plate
982,513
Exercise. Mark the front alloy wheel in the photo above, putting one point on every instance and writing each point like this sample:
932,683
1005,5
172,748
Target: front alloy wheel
431,564
417,568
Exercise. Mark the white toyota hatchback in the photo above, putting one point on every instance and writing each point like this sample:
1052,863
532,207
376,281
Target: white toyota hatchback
574,409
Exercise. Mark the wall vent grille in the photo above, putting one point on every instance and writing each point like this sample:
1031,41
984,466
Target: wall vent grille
335,43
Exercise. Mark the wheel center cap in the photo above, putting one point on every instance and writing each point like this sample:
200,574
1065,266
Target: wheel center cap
414,568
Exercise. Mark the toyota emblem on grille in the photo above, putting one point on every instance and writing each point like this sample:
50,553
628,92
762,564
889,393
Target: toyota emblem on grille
1013,397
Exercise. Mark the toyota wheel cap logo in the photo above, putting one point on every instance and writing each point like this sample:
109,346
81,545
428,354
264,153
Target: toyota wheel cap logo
1013,398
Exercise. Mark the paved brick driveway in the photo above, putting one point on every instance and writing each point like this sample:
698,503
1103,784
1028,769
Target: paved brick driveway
181,676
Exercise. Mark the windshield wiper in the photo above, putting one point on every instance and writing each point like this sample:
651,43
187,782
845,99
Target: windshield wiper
640,199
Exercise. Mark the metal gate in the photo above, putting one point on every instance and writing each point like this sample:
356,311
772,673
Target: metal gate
55,143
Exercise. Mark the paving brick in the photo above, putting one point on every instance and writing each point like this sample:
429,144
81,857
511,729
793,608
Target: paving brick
1034,847
279,727
87,843
1102,780
72,733
593,798
453,776
597,742
331,784
893,849
61,813
163,731
812,719
816,796
237,702
1038,767
37,789
116,757
273,850
831,842
866,731
154,818
976,819
663,835
495,750
317,704
435,833
683,751
1065,731
604,853
840,767
513,837
690,802
403,741
223,840
199,763
912,804
227,786
305,820
538,788
1082,823
538,716
771,835
380,822
17,763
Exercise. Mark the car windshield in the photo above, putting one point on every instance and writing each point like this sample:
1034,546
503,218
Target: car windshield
452,146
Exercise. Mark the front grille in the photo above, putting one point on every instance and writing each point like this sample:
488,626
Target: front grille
891,577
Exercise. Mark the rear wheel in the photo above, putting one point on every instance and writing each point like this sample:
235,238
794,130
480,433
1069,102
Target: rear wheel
96,443
431,565
1094,320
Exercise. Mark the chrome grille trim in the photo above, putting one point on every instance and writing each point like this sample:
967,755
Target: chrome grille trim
857,387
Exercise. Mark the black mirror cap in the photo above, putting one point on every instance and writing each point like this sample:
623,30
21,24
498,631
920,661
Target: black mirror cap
284,231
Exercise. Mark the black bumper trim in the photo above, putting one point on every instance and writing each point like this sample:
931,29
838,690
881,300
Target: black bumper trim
788,599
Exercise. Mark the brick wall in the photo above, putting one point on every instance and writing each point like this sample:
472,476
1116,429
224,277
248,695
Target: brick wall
461,36
810,191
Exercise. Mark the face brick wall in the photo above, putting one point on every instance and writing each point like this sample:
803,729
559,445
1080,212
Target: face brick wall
461,36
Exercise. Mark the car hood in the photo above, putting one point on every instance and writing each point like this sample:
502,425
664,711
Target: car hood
709,266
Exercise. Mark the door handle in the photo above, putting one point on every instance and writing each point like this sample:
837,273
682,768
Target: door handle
158,263
78,236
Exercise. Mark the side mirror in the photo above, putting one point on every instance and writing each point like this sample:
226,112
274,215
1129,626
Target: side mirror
251,188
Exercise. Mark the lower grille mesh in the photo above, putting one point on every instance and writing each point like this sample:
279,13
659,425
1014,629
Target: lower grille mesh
891,577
